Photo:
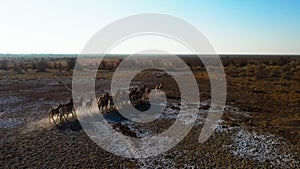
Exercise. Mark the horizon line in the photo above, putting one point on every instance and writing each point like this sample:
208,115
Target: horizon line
153,54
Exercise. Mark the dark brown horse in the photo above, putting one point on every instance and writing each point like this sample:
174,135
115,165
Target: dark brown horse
101,103
105,102
66,109
53,112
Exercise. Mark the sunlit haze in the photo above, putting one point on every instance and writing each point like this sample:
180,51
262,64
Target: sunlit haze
232,27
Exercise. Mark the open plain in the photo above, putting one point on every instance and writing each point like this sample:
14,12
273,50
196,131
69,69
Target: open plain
260,126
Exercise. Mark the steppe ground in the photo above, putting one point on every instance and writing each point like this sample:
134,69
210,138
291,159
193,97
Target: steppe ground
260,127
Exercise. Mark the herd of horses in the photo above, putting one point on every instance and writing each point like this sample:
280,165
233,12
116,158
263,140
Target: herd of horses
105,103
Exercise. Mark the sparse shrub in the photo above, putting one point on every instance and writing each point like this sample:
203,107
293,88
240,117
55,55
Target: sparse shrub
4,64
70,64
34,65
57,65
17,68
42,66
23,66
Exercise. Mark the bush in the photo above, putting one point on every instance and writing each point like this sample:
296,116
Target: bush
70,64
42,66
4,64
17,68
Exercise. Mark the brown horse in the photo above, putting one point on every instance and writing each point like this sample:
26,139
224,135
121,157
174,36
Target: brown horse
105,102
111,102
53,112
66,109
101,103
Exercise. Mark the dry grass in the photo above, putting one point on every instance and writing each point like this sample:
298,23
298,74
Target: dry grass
268,89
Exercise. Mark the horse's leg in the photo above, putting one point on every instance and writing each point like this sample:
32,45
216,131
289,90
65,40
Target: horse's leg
57,116
110,104
74,113
61,117
107,104
67,114
53,120
52,117
102,108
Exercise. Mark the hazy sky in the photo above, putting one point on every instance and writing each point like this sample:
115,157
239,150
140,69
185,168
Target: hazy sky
232,26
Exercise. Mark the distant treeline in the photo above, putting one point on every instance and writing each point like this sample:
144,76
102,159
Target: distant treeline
37,55
41,63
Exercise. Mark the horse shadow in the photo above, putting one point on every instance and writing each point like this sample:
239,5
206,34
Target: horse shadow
113,116
72,124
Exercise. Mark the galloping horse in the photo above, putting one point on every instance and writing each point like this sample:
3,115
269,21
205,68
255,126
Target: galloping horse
105,102
67,109
53,112
101,104
135,95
